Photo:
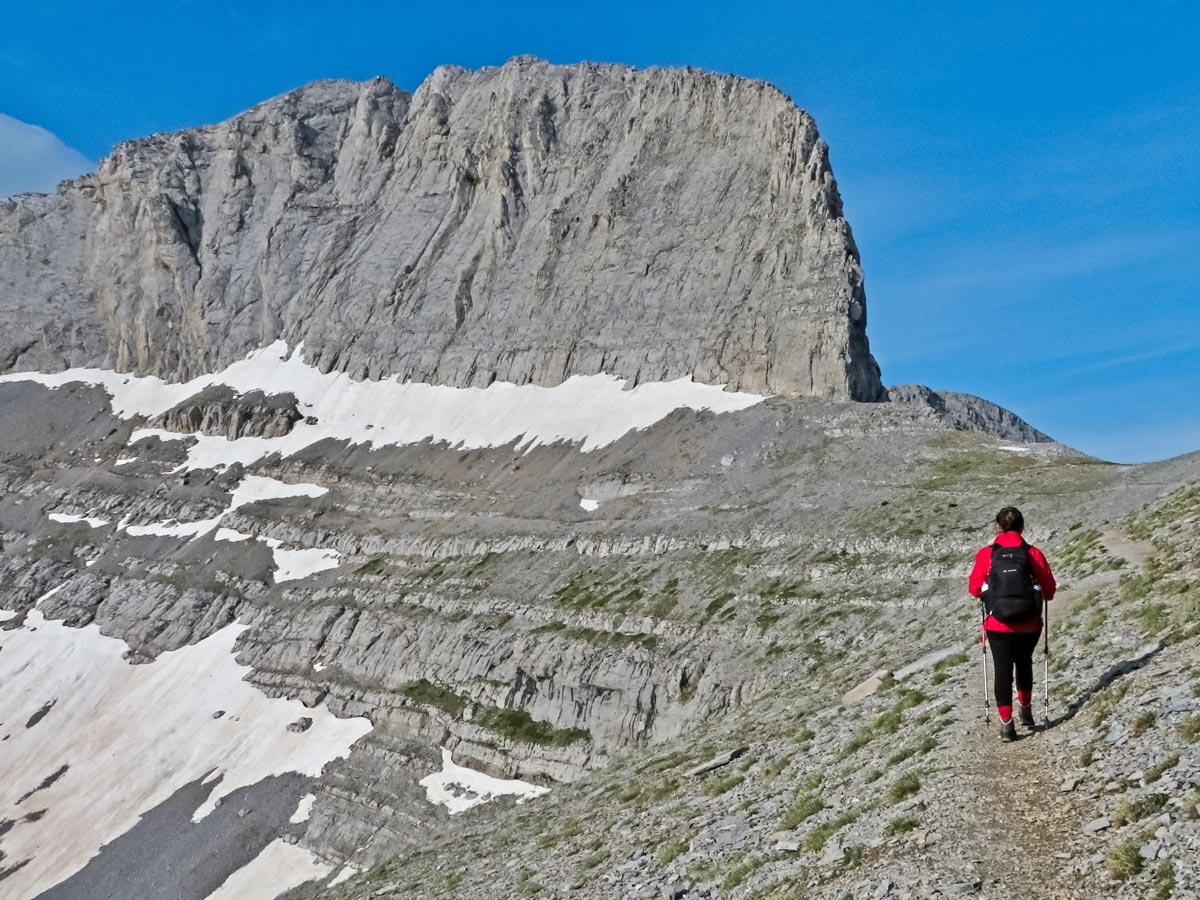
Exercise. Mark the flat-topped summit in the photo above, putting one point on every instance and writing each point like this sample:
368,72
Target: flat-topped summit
525,223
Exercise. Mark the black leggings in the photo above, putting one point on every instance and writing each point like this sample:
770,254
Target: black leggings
1009,651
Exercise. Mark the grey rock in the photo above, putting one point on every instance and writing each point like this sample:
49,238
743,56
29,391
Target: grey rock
522,224
966,412
721,759
1096,825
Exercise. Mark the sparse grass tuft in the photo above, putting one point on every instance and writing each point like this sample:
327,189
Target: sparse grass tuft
520,727
718,786
428,694
1189,728
904,787
671,851
1164,881
802,808
820,834
1157,770
1125,860
901,825
1143,723
1134,810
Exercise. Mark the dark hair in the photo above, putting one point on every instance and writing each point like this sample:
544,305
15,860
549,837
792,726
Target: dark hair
1010,519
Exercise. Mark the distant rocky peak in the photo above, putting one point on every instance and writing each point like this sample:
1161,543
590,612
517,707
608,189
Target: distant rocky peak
523,224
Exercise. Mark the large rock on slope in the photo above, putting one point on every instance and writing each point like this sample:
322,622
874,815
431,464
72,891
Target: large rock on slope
525,223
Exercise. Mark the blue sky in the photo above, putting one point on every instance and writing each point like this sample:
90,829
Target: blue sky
1023,183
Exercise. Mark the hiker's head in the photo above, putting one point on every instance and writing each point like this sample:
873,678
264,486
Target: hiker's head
1010,519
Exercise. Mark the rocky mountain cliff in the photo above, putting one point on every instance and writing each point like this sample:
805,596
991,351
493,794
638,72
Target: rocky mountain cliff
521,224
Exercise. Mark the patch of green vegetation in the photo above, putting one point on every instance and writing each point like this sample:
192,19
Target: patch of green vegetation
950,662
1164,881
901,825
518,726
1105,702
816,839
802,808
1143,723
1189,728
887,722
715,605
665,599
426,693
587,590
742,871
374,566
718,786
1157,770
1136,809
1125,859
776,768
671,851
904,787
594,859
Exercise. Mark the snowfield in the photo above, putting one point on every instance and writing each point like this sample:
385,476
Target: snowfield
458,788
593,411
120,739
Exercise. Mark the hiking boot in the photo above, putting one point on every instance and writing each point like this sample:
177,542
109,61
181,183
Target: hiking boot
1008,731
1026,714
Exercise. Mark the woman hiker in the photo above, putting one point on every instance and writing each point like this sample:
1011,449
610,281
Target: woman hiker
1012,579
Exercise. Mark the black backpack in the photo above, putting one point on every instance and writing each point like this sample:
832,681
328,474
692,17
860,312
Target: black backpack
1011,596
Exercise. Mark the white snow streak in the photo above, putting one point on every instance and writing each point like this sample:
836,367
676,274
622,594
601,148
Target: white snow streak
346,874
289,564
132,736
278,869
293,564
589,505
1015,449
303,809
459,788
68,518
593,410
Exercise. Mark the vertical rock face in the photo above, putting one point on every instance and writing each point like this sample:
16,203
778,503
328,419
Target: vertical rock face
523,224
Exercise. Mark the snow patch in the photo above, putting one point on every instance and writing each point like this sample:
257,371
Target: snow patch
1015,449
46,596
459,788
278,869
589,505
592,410
303,809
68,518
346,874
289,564
132,736
293,564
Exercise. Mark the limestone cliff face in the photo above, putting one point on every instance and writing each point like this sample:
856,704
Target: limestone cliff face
525,223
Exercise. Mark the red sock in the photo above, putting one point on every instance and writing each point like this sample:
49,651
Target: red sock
1025,697
1005,712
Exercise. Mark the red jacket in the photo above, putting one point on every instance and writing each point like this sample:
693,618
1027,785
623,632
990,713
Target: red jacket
1041,573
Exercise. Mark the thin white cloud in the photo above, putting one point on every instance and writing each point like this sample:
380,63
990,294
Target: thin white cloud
1013,266
33,159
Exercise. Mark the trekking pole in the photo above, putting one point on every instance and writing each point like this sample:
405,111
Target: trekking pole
1046,658
987,691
